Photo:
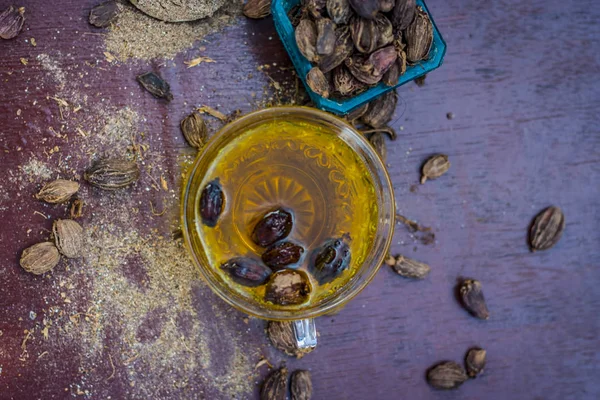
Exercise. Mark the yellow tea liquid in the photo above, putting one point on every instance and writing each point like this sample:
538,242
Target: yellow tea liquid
304,168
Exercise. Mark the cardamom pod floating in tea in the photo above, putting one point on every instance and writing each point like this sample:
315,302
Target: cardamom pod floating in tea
365,8
301,385
112,173
403,14
194,130
370,69
434,167
288,287
377,140
68,237
275,386
40,258
317,82
381,110
471,297
283,338
57,191
154,84
339,11
326,37
272,227
306,39
546,229
345,83
247,271
257,9
343,49
419,36
212,200
11,22
331,260
104,14
446,375
408,267
282,254
475,362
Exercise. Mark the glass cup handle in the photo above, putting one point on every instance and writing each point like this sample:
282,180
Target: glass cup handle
305,331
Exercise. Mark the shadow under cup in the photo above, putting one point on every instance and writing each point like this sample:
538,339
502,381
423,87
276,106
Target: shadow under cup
383,194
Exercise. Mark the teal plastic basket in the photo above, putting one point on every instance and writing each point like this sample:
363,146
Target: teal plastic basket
281,8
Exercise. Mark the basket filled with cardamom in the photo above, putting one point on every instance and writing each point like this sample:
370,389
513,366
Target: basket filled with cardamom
348,52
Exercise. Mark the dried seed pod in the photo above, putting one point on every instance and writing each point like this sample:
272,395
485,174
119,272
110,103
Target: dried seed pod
343,49
194,130
408,268
317,82
76,208
381,110
11,22
40,258
155,85
275,386
475,361
330,260
357,113
105,14
403,14
446,375
420,81
212,200
112,173
378,142
392,76
339,11
315,8
345,83
301,385
288,287
68,237
385,31
546,229
57,191
472,299
364,34
283,338
370,69
282,254
272,227
419,36
257,9
325,36
365,8
306,39
369,35
386,5
247,271
435,167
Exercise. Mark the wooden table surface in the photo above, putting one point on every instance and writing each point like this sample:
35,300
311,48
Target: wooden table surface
520,78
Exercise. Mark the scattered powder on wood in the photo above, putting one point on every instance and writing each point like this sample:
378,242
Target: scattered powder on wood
136,35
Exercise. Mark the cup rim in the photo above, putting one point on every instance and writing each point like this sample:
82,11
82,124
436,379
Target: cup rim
334,304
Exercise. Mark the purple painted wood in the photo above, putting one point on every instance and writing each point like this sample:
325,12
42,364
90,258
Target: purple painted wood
520,79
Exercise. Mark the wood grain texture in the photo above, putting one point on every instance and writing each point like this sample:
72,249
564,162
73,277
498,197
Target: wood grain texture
521,81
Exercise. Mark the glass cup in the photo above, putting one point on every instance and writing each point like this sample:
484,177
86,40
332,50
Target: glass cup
302,317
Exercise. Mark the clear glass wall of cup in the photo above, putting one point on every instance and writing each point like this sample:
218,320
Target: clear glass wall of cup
264,164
